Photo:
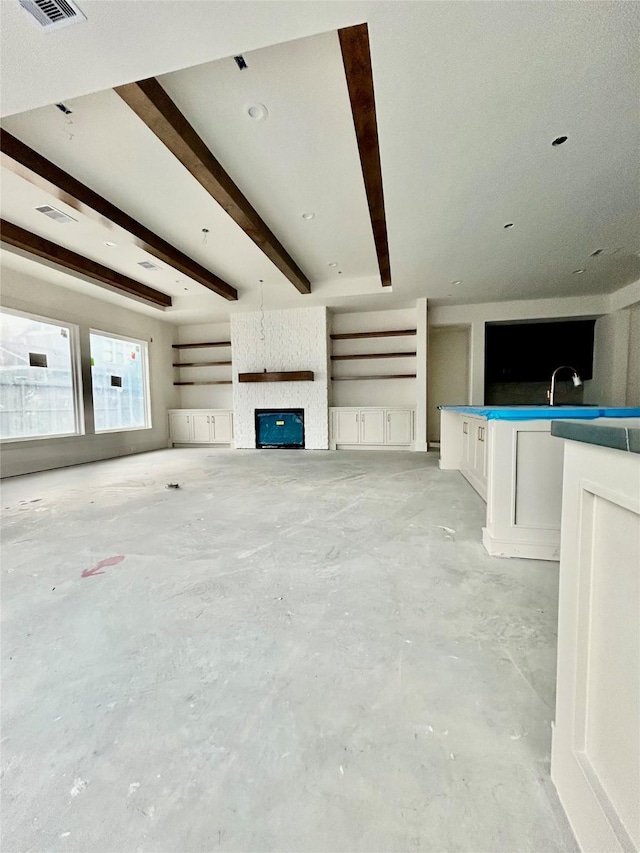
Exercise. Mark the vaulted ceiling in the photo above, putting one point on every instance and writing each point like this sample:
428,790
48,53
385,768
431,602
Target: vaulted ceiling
469,98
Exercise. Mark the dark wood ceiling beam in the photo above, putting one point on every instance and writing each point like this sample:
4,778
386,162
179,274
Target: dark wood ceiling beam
20,238
154,107
37,170
356,56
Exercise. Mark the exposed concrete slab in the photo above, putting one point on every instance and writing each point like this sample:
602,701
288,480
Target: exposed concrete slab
300,651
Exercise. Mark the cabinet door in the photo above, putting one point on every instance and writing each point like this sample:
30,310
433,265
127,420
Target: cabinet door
180,427
201,428
372,427
399,427
221,427
347,426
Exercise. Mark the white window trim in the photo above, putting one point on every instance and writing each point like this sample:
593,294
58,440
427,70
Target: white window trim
144,350
76,377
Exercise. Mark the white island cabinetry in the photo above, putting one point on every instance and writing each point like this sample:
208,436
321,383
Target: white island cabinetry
371,427
595,757
473,463
512,460
200,426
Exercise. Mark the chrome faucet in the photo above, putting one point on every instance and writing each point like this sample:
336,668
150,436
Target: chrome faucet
551,391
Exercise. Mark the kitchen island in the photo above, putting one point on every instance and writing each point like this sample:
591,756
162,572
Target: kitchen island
510,457
595,757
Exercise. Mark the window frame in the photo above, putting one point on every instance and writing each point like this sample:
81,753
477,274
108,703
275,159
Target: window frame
144,358
76,377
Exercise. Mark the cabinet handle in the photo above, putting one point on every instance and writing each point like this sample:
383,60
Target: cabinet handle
480,433
187,418
357,416
465,427
388,417
207,418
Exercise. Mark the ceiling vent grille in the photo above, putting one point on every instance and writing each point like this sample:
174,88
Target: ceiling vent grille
54,213
53,14
148,265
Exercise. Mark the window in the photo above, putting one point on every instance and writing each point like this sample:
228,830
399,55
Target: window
38,378
120,383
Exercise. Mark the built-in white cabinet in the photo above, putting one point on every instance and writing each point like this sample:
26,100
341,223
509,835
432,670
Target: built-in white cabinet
345,426
371,427
179,427
200,426
399,425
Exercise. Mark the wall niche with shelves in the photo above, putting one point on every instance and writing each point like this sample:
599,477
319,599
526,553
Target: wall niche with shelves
202,365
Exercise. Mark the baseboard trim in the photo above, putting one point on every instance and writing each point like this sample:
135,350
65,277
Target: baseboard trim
521,550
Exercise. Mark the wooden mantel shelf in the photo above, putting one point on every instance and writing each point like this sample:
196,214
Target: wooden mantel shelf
282,376
200,346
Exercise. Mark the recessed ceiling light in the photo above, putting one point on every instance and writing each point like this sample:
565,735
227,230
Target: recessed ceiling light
147,265
457,282
559,140
508,225
308,216
258,112
578,272
110,245
333,264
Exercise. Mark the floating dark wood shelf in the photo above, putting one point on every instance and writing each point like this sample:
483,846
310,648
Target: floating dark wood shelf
216,382
282,376
196,346
373,355
199,363
386,376
354,336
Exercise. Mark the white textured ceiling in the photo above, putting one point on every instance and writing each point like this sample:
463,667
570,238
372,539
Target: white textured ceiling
469,97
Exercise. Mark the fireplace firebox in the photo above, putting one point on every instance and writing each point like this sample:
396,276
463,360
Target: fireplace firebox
279,428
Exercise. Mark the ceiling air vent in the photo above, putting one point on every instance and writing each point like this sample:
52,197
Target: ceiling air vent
53,14
148,265
54,213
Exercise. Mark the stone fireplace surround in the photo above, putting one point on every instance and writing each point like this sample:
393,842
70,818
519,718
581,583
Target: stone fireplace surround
294,339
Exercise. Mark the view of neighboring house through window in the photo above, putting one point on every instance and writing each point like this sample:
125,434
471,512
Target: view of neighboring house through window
120,383
37,378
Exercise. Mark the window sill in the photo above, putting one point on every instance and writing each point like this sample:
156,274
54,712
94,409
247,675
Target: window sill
121,429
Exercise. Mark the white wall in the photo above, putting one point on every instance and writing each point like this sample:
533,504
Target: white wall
448,372
204,396
616,360
374,392
36,296
295,339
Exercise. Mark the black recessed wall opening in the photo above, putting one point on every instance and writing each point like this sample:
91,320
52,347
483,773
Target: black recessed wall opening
526,354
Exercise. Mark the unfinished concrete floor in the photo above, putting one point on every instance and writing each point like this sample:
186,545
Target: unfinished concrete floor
297,651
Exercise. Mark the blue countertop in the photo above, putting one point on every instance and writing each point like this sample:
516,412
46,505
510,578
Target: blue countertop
543,413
